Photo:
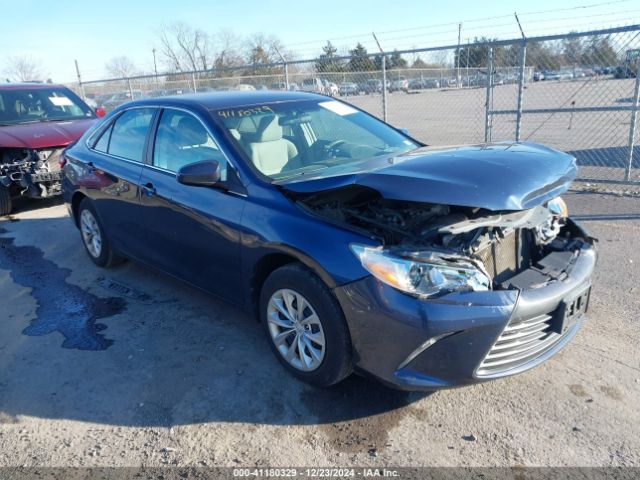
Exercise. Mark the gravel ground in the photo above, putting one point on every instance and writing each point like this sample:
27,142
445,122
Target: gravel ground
161,374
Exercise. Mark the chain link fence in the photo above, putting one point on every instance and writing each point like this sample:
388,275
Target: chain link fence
577,92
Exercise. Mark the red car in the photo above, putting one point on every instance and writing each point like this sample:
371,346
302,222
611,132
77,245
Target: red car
37,121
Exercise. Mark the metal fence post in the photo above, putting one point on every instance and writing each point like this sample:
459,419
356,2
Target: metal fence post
286,76
523,58
384,87
193,80
80,85
488,100
130,89
632,128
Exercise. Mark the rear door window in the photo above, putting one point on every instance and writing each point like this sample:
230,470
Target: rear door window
129,133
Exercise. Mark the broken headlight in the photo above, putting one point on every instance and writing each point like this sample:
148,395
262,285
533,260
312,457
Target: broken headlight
558,207
422,273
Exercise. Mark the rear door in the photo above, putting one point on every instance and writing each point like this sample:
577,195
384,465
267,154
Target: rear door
113,174
193,232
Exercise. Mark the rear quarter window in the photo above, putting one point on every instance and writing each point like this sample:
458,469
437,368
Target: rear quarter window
129,133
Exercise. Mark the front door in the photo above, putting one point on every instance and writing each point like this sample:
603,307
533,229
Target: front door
193,232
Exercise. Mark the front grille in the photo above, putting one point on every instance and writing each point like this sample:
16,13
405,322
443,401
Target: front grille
521,341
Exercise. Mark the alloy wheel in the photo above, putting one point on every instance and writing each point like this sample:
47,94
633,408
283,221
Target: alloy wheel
91,233
296,330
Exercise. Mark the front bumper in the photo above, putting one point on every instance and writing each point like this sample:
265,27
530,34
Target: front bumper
460,338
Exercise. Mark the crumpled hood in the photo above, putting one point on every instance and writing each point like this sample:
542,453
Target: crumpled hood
497,176
43,134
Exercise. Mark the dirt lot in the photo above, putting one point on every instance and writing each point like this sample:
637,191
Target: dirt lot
161,374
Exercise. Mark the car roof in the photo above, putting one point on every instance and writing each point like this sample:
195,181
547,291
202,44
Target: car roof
29,86
229,99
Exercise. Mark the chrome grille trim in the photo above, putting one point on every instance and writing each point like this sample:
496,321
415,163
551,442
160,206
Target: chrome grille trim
522,340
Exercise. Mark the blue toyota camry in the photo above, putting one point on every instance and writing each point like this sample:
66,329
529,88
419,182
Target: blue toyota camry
357,247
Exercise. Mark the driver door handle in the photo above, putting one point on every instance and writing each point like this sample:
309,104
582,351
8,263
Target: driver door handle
148,189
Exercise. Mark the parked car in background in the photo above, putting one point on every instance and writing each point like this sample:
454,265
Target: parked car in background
371,86
119,98
357,247
244,87
550,75
155,93
37,121
419,84
538,76
400,84
416,84
330,88
312,85
178,91
349,88
431,83
567,74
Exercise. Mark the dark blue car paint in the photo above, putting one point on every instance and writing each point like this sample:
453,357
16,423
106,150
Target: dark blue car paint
218,238
388,325
498,176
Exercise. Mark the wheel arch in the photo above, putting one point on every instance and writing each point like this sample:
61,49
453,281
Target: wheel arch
270,262
75,205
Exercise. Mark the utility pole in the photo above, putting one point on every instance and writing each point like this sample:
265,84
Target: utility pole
384,78
155,66
458,56
80,82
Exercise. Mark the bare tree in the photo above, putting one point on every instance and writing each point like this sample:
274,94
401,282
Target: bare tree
121,67
263,49
23,68
185,48
228,50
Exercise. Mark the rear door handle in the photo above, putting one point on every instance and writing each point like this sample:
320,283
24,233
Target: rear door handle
148,189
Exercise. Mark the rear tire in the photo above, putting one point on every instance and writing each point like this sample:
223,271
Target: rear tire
321,329
5,201
93,236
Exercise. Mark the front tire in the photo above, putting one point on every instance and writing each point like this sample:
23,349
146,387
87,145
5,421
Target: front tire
5,201
305,326
93,236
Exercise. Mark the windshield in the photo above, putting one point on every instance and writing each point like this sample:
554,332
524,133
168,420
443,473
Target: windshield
289,139
30,105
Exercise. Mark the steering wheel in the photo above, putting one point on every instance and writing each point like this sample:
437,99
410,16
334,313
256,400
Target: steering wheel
329,149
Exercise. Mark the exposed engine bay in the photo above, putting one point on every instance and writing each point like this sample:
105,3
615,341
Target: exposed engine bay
32,173
501,244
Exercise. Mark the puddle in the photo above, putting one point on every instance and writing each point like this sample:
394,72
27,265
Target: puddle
358,414
62,307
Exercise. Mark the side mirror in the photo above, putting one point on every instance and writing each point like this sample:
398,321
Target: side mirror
100,112
200,174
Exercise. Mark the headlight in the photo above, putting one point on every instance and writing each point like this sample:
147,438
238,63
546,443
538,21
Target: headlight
422,273
558,207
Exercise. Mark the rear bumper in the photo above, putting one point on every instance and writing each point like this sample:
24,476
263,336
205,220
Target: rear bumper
461,338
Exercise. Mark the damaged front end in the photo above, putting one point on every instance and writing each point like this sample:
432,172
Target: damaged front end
429,250
458,294
31,173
